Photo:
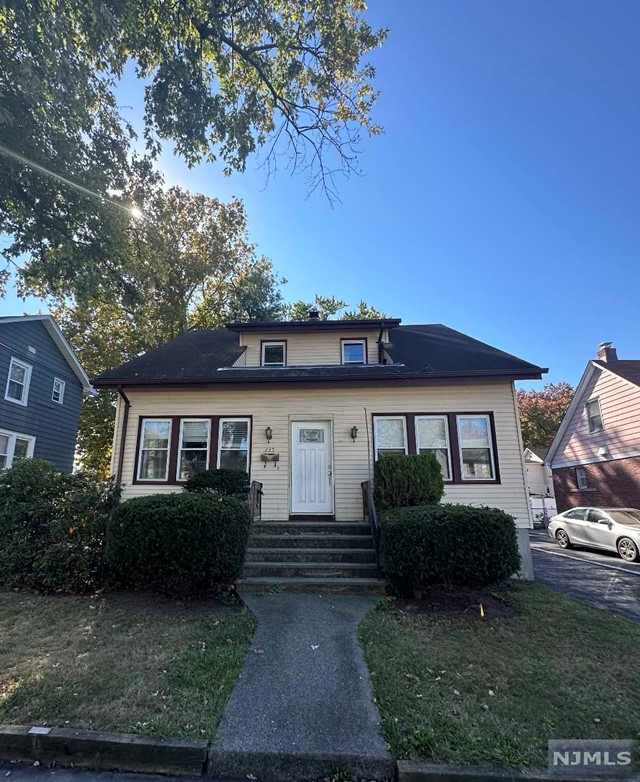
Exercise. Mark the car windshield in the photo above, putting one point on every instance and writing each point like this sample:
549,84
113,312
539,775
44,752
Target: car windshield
625,516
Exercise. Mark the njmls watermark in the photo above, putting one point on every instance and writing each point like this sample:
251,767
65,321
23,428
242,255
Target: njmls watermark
597,758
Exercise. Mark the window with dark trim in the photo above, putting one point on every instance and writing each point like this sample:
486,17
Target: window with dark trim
274,354
594,416
169,450
354,351
463,443
582,481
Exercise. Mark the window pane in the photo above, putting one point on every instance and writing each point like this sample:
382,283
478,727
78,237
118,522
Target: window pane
15,390
476,463
594,416
442,455
21,449
273,354
432,432
195,434
473,432
18,373
353,352
311,436
156,434
4,444
153,465
390,433
235,434
191,462
233,460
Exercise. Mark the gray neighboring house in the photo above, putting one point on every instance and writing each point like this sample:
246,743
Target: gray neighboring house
42,385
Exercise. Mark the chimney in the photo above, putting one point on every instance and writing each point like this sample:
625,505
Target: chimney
314,315
607,353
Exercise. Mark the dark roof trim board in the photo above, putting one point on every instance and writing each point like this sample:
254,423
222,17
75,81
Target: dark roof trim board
426,353
315,325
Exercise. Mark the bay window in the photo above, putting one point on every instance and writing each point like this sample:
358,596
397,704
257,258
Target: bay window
476,450
195,435
390,435
153,456
233,444
432,436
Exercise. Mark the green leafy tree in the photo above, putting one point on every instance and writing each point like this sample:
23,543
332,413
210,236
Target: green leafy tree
329,307
541,413
222,80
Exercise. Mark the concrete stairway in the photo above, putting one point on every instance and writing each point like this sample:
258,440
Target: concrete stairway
313,556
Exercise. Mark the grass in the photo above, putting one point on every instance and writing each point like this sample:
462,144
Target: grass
494,692
91,663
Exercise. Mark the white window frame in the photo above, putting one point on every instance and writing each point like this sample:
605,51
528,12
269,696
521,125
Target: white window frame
362,342
582,481
141,449
487,418
183,421
274,343
27,382
221,421
11,447
377,418
62,385
444,418
586,408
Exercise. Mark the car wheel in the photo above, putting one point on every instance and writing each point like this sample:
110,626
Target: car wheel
627,549
563,539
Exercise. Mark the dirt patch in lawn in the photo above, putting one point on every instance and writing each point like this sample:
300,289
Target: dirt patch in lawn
152,604
460,603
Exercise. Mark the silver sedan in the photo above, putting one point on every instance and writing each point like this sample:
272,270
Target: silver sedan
612,529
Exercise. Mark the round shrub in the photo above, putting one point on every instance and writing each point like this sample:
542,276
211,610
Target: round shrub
229,483
407,480
52,527
452,545
178,544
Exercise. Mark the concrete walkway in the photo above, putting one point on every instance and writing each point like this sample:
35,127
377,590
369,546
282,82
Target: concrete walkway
303,707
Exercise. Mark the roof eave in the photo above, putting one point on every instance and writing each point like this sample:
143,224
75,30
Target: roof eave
319,325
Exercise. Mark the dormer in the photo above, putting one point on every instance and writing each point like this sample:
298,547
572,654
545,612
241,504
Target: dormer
313,342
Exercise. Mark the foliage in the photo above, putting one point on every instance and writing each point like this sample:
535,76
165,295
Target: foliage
455,545
228,483
541,413
52,527
178,544
223,80
405,480
328,307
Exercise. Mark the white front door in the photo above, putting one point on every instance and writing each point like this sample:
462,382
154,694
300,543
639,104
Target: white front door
311,467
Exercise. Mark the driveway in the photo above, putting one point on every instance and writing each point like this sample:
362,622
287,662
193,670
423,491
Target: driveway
597,578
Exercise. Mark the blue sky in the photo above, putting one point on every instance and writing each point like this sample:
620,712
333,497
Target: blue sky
502,199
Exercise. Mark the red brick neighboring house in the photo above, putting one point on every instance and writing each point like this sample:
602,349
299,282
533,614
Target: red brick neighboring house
595,456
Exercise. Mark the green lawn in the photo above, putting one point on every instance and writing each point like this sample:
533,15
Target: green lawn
494,691
96,663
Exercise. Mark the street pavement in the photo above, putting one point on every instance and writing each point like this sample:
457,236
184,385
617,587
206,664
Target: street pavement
597,578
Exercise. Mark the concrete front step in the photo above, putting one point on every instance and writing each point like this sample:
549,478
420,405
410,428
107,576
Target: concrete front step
311,569
328,586
310,527
311,541
310,555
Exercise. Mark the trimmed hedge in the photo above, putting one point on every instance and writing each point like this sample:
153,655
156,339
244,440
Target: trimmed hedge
229,483
407,480
178,544
453,545
52,527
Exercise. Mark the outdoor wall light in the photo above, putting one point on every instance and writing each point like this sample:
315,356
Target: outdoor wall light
268,433
354,432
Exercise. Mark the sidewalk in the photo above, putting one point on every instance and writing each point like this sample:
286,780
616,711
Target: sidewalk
303,707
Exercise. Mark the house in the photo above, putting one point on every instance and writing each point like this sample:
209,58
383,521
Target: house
595,456
42,385
539,484
306,408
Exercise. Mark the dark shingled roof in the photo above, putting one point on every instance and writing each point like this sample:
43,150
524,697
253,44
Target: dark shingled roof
418,352
629,369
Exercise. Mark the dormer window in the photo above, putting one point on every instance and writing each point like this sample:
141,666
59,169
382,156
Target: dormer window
274,354
354,351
